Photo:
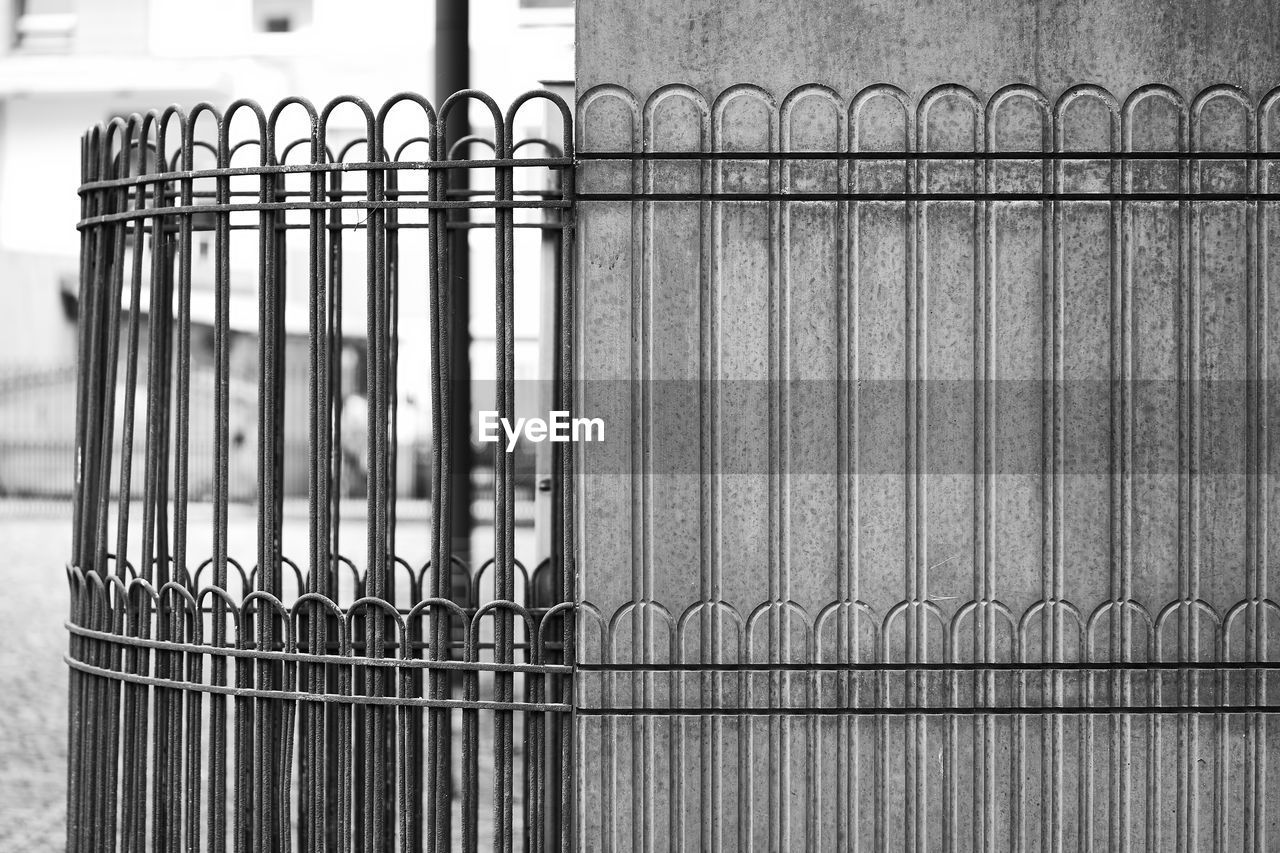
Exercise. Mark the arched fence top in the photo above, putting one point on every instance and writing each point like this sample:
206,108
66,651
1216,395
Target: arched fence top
296,136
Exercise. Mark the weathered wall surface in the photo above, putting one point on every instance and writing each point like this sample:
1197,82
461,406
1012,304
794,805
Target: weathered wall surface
949,412
982,44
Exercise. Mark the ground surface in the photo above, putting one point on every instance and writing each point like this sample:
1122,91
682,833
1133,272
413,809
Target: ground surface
34,545
33,679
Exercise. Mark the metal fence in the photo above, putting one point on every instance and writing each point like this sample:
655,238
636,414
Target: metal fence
310,692
935,512
943,468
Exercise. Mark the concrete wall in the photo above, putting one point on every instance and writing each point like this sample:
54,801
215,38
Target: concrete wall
982,44
887,432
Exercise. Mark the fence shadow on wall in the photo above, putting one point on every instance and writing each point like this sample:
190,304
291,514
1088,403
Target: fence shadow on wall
837,603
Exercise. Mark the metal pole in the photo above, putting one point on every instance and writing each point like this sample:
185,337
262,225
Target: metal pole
453,74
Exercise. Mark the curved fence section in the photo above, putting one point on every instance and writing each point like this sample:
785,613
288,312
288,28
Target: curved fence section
277,642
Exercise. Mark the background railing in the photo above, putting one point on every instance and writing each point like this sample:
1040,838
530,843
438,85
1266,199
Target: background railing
37,443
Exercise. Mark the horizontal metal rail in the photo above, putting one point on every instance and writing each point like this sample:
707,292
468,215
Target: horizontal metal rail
986,156
926,196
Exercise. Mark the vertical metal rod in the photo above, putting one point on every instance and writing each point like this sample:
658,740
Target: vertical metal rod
195,744
504,498
85,384
390,239
378,568
265,710
318,782
563,839
242,725
443,327
133,787
280,729
337,717
221,322
111,719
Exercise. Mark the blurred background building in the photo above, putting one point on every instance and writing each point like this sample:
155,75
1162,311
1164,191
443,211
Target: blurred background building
67,63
